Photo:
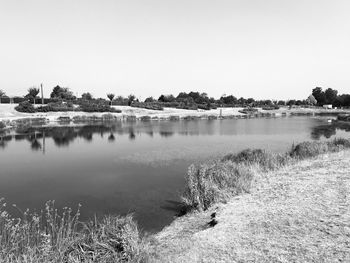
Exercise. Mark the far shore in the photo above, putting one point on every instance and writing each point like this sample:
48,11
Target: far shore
8,114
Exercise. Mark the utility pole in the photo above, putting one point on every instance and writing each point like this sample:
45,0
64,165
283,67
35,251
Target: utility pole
42,94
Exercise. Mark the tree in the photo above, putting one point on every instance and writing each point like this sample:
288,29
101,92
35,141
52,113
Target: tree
110,97
2,93
87,96
131,98
32,93
319,95
61,93
311,100
228,99
149,99
330,95
291,102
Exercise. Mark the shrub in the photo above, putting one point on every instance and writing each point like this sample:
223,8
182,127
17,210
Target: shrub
25,106
56,107
312,149
264,159
214,182
147,105
96,107
2,125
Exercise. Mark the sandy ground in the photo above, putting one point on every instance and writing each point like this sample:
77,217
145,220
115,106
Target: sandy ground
298,214
8,112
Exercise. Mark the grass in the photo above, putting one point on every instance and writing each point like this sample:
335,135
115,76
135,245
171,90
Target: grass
217,181
51,236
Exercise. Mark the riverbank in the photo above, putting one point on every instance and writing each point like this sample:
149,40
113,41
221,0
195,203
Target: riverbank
300,213
9,115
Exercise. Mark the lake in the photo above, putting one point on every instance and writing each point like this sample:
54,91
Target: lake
133,167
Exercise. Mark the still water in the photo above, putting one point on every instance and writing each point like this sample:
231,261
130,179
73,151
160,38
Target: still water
135,167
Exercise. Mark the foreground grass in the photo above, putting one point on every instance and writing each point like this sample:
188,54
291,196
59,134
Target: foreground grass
53,237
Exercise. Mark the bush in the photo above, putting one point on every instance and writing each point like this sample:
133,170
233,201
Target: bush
96,107
25,106
312,149
147,105
262,158
214,182
56,107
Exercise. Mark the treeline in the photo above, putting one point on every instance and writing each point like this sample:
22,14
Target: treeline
192,100
330,96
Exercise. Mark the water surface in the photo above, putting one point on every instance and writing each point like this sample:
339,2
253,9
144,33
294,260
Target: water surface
135,167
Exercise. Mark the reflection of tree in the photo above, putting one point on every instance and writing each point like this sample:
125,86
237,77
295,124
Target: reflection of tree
328,130
111,137
3,144
36,145
132,135
166,133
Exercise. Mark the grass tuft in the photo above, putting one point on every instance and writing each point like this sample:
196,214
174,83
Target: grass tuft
214,182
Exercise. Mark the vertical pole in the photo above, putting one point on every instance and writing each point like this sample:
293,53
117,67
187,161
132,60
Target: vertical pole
44,148
42,94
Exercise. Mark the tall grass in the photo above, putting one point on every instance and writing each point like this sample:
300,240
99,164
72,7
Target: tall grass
214,182
218,180
51,236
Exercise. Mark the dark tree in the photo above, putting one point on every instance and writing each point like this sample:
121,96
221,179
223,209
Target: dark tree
319,96
149,99
32,93
131,98
2,93
229,99
61,93
330,95
110,96
86,96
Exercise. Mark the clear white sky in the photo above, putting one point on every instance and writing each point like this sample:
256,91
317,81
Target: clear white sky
252,48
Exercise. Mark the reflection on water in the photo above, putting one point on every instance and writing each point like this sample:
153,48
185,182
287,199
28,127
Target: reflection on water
329,130
138,167
64,135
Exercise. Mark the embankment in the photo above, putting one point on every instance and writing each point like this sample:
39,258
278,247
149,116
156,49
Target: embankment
299,213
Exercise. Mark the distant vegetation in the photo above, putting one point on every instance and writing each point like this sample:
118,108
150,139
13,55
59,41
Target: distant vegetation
191,100
219,180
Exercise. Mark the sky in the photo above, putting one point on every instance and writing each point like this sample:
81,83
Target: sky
266,49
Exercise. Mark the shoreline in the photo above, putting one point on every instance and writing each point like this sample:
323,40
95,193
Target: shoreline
10,117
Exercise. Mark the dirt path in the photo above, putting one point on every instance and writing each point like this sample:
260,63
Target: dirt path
298,214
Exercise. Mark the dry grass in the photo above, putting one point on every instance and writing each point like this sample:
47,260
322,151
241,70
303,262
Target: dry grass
218,180
300,213
59,237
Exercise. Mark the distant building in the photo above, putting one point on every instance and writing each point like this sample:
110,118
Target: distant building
328,106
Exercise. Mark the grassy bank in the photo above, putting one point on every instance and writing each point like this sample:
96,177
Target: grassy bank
299,212
219,180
